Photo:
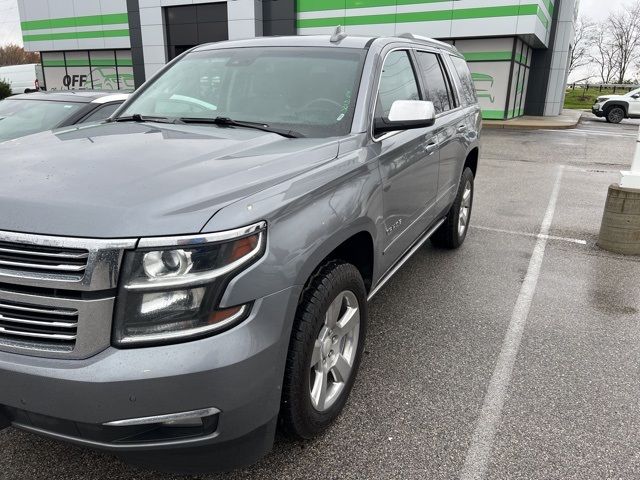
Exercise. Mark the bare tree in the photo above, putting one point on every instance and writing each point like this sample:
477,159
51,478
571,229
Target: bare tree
625,37
16,55
582,43
602,55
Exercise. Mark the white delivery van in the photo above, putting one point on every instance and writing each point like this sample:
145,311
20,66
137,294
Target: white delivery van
23,78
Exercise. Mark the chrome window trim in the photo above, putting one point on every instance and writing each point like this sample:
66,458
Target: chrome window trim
198,239
414,48
377,89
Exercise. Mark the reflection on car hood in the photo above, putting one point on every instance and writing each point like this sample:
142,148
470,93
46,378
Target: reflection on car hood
141,179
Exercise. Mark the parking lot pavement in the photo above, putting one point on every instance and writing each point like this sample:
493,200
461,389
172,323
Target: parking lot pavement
429,402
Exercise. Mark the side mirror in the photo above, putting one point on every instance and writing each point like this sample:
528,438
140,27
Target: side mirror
635,96
405,115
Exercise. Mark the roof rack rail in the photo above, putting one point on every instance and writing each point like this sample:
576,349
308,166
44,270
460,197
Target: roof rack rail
338,34
425,39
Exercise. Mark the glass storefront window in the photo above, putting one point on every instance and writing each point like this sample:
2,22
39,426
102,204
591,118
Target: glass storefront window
88,69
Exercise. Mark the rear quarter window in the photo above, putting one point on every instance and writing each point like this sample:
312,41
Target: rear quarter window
461,69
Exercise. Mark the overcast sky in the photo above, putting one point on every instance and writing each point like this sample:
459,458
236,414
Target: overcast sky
10,22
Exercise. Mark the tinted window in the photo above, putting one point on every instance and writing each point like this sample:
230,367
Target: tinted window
436,83
398,82
307,90
468,94
23,117
101,113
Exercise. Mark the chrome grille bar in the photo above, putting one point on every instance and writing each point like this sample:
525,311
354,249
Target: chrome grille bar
52,311
53,323
35,253
44,266
46,336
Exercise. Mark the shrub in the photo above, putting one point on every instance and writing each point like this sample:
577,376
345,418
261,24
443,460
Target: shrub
5,89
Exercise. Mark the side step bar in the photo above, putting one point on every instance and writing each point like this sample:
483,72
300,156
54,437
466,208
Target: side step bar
405,256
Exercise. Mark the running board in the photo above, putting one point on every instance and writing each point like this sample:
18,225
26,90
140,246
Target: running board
405,256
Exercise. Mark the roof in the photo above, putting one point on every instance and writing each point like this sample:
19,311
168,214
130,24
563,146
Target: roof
77,96
349,41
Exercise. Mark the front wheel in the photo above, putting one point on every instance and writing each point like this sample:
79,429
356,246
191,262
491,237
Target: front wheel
325,349
615,115
453,231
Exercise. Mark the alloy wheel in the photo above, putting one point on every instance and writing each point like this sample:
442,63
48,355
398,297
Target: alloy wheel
465,210
334,351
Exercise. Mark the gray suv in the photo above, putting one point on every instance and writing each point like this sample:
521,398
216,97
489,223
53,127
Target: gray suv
184,278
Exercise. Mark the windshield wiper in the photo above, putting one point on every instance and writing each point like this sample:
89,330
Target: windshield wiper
136,117
228,122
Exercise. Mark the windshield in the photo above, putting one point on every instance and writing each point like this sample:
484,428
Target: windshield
23,117
307,90
633,92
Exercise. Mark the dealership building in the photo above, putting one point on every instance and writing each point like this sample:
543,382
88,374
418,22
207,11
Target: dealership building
518,50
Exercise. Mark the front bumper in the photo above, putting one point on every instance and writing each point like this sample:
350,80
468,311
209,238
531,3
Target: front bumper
596,110
239,372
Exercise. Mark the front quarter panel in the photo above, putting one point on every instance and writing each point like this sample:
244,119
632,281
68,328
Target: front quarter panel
307,216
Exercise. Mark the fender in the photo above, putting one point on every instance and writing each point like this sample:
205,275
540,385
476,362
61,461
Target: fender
307,218
616,103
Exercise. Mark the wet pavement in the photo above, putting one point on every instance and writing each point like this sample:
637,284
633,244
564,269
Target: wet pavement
428,392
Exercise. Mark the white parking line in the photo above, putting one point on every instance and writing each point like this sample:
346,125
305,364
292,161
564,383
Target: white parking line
479,453
528,234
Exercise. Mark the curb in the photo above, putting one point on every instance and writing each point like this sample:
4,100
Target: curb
533,123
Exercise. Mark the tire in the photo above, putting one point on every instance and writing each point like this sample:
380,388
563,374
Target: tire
302,414
615,115
452,232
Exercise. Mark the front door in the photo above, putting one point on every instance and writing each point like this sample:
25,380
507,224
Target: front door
634,104
408,160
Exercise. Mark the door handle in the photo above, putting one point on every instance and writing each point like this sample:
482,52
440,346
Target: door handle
431,148
462,128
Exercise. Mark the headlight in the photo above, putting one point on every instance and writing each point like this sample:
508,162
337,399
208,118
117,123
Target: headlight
172,287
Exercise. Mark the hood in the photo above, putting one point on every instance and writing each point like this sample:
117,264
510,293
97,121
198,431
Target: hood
604,98
141,179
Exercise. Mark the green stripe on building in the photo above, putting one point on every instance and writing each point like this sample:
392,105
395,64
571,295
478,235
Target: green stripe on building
543,18
95,62
493,114
86,21
549,5
458,14
320,5
76,35
486,56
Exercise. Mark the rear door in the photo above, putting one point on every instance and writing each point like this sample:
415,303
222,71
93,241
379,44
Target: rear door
408,160
450,123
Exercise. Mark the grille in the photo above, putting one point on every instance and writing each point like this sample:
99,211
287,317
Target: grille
38,324
57,293
42,259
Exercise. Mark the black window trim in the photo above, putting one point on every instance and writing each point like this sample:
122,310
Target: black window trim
453,98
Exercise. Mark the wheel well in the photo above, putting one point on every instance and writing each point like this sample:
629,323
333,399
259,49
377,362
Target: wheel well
358,251
472,161
609,106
